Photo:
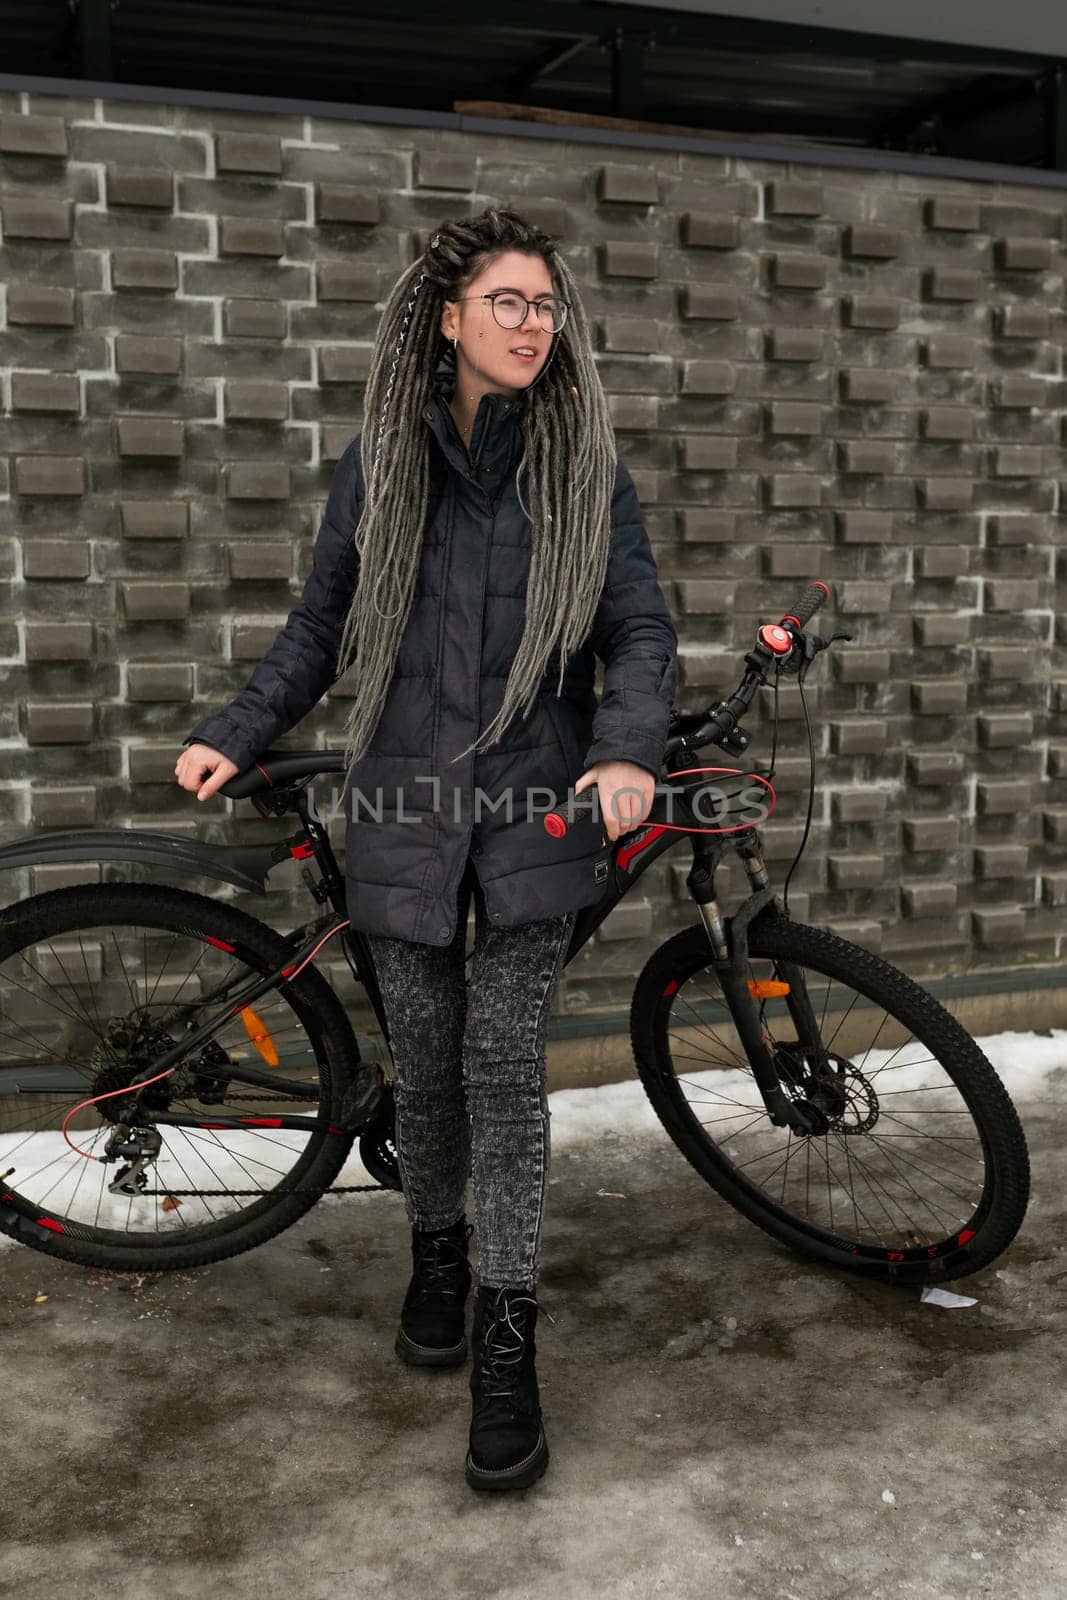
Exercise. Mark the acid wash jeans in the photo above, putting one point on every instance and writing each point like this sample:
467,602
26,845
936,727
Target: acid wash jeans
470,1085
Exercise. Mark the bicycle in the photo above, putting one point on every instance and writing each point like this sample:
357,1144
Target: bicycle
747,1033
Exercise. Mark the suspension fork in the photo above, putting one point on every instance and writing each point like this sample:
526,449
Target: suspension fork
798,1001
728,938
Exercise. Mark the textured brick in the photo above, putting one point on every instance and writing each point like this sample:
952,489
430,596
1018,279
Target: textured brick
440,169
248,152
863,736
999,729
947,422
864,527
798,271
868,386
59,641
939,698
344,363
716,302
857,665
856,871
344,202
34,217
1000,860
1011,594
29,135
150,187
858,805
708,377
155,602
795,344
942,561
622,258
868,240
159,437
942,628
877,312
999,798
701,526
155,519
710,232
251,236
49,475
952,283
931,833
159,681
258,562
957,213
793,197
710,452
44,391
1022,322
927,898
1023,255
257,480
935,767
1005,925
256,402
58,723
35,305
635,186
144,269
705,596
794,417
159,356
62,559
254,319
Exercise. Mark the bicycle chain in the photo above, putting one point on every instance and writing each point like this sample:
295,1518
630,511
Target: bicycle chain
241,1194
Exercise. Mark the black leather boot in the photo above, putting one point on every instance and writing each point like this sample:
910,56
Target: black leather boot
508,1448
431,1332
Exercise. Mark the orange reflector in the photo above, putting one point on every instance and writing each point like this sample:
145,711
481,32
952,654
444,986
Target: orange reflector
766,988
256,1030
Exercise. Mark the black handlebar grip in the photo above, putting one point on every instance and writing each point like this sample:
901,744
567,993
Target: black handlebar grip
563,817
815,595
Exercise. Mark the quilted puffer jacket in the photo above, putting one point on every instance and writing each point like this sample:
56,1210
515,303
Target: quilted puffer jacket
412,817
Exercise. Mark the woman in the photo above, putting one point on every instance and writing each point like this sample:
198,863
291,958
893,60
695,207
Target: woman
482,546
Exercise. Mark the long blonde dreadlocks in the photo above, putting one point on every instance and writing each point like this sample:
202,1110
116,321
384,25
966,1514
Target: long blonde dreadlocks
568,464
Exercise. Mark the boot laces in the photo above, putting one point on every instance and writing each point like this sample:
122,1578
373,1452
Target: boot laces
439,1264
504,1344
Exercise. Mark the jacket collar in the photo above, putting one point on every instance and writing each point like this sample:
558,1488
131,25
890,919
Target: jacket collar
495,437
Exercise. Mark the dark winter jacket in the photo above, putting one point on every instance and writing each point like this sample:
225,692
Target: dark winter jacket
411,818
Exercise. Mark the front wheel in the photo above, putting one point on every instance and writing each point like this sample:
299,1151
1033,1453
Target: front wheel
919,1171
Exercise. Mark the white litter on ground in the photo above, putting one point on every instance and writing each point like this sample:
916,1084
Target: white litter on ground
945,1297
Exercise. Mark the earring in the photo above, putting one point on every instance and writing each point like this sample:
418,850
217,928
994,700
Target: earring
455,344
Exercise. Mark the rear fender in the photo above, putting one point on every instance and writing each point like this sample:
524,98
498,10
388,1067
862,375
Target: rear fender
246,865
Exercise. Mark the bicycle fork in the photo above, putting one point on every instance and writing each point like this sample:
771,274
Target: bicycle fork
728,938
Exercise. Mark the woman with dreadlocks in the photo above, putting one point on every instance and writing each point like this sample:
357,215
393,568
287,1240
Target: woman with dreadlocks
482,547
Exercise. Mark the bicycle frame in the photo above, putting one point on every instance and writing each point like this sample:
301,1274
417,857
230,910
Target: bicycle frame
633,853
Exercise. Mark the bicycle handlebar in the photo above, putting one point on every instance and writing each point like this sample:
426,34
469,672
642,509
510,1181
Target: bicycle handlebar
773,640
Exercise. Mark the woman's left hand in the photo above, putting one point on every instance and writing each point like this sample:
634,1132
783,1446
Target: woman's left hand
626,794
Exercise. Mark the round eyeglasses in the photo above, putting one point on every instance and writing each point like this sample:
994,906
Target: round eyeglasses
510,308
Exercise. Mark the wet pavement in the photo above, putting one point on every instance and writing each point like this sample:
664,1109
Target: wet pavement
725,1418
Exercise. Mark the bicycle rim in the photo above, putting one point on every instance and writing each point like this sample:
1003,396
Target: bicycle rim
95,983
919,1168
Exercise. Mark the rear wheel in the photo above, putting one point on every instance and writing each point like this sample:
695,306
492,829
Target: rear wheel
919,1170
96,982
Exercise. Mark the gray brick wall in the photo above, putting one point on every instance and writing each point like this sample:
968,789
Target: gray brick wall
811,370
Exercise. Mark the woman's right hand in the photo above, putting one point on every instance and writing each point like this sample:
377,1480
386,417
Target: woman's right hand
198,762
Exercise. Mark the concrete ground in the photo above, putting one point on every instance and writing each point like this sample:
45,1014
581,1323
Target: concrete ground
725,1419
